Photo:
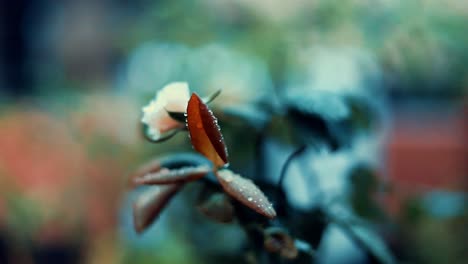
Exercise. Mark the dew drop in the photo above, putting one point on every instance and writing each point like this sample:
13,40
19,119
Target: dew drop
249,199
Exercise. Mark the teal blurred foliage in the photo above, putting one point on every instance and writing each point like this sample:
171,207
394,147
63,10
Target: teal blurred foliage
292,73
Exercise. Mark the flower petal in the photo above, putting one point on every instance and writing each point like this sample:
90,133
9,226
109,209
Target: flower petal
176,91
174,97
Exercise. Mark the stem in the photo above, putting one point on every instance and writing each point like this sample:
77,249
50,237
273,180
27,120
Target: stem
162,138
212,97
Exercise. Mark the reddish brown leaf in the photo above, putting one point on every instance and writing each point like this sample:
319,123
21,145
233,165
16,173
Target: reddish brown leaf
246,192
205,133
150,203
166,176
151,166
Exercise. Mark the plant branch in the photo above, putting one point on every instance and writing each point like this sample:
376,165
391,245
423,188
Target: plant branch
286,165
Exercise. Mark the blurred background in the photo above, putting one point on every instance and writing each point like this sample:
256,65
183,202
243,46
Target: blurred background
75,74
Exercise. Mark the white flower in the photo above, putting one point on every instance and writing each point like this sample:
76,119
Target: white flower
173,97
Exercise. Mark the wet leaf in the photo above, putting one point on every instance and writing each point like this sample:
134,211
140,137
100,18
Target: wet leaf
170,162
205,133
150,203
167,176
151,166
246,192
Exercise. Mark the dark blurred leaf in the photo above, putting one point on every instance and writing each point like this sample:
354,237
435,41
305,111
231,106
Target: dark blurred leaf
246,192
368,240
217,207
330,119
329,106
205,133
277,240
363,115
166,176
374,244
309,225
248,114
150,203
364,187
313,129
413,210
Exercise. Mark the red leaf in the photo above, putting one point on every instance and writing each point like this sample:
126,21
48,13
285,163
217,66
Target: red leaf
205,133
150,203
151,166
166,176
246,192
